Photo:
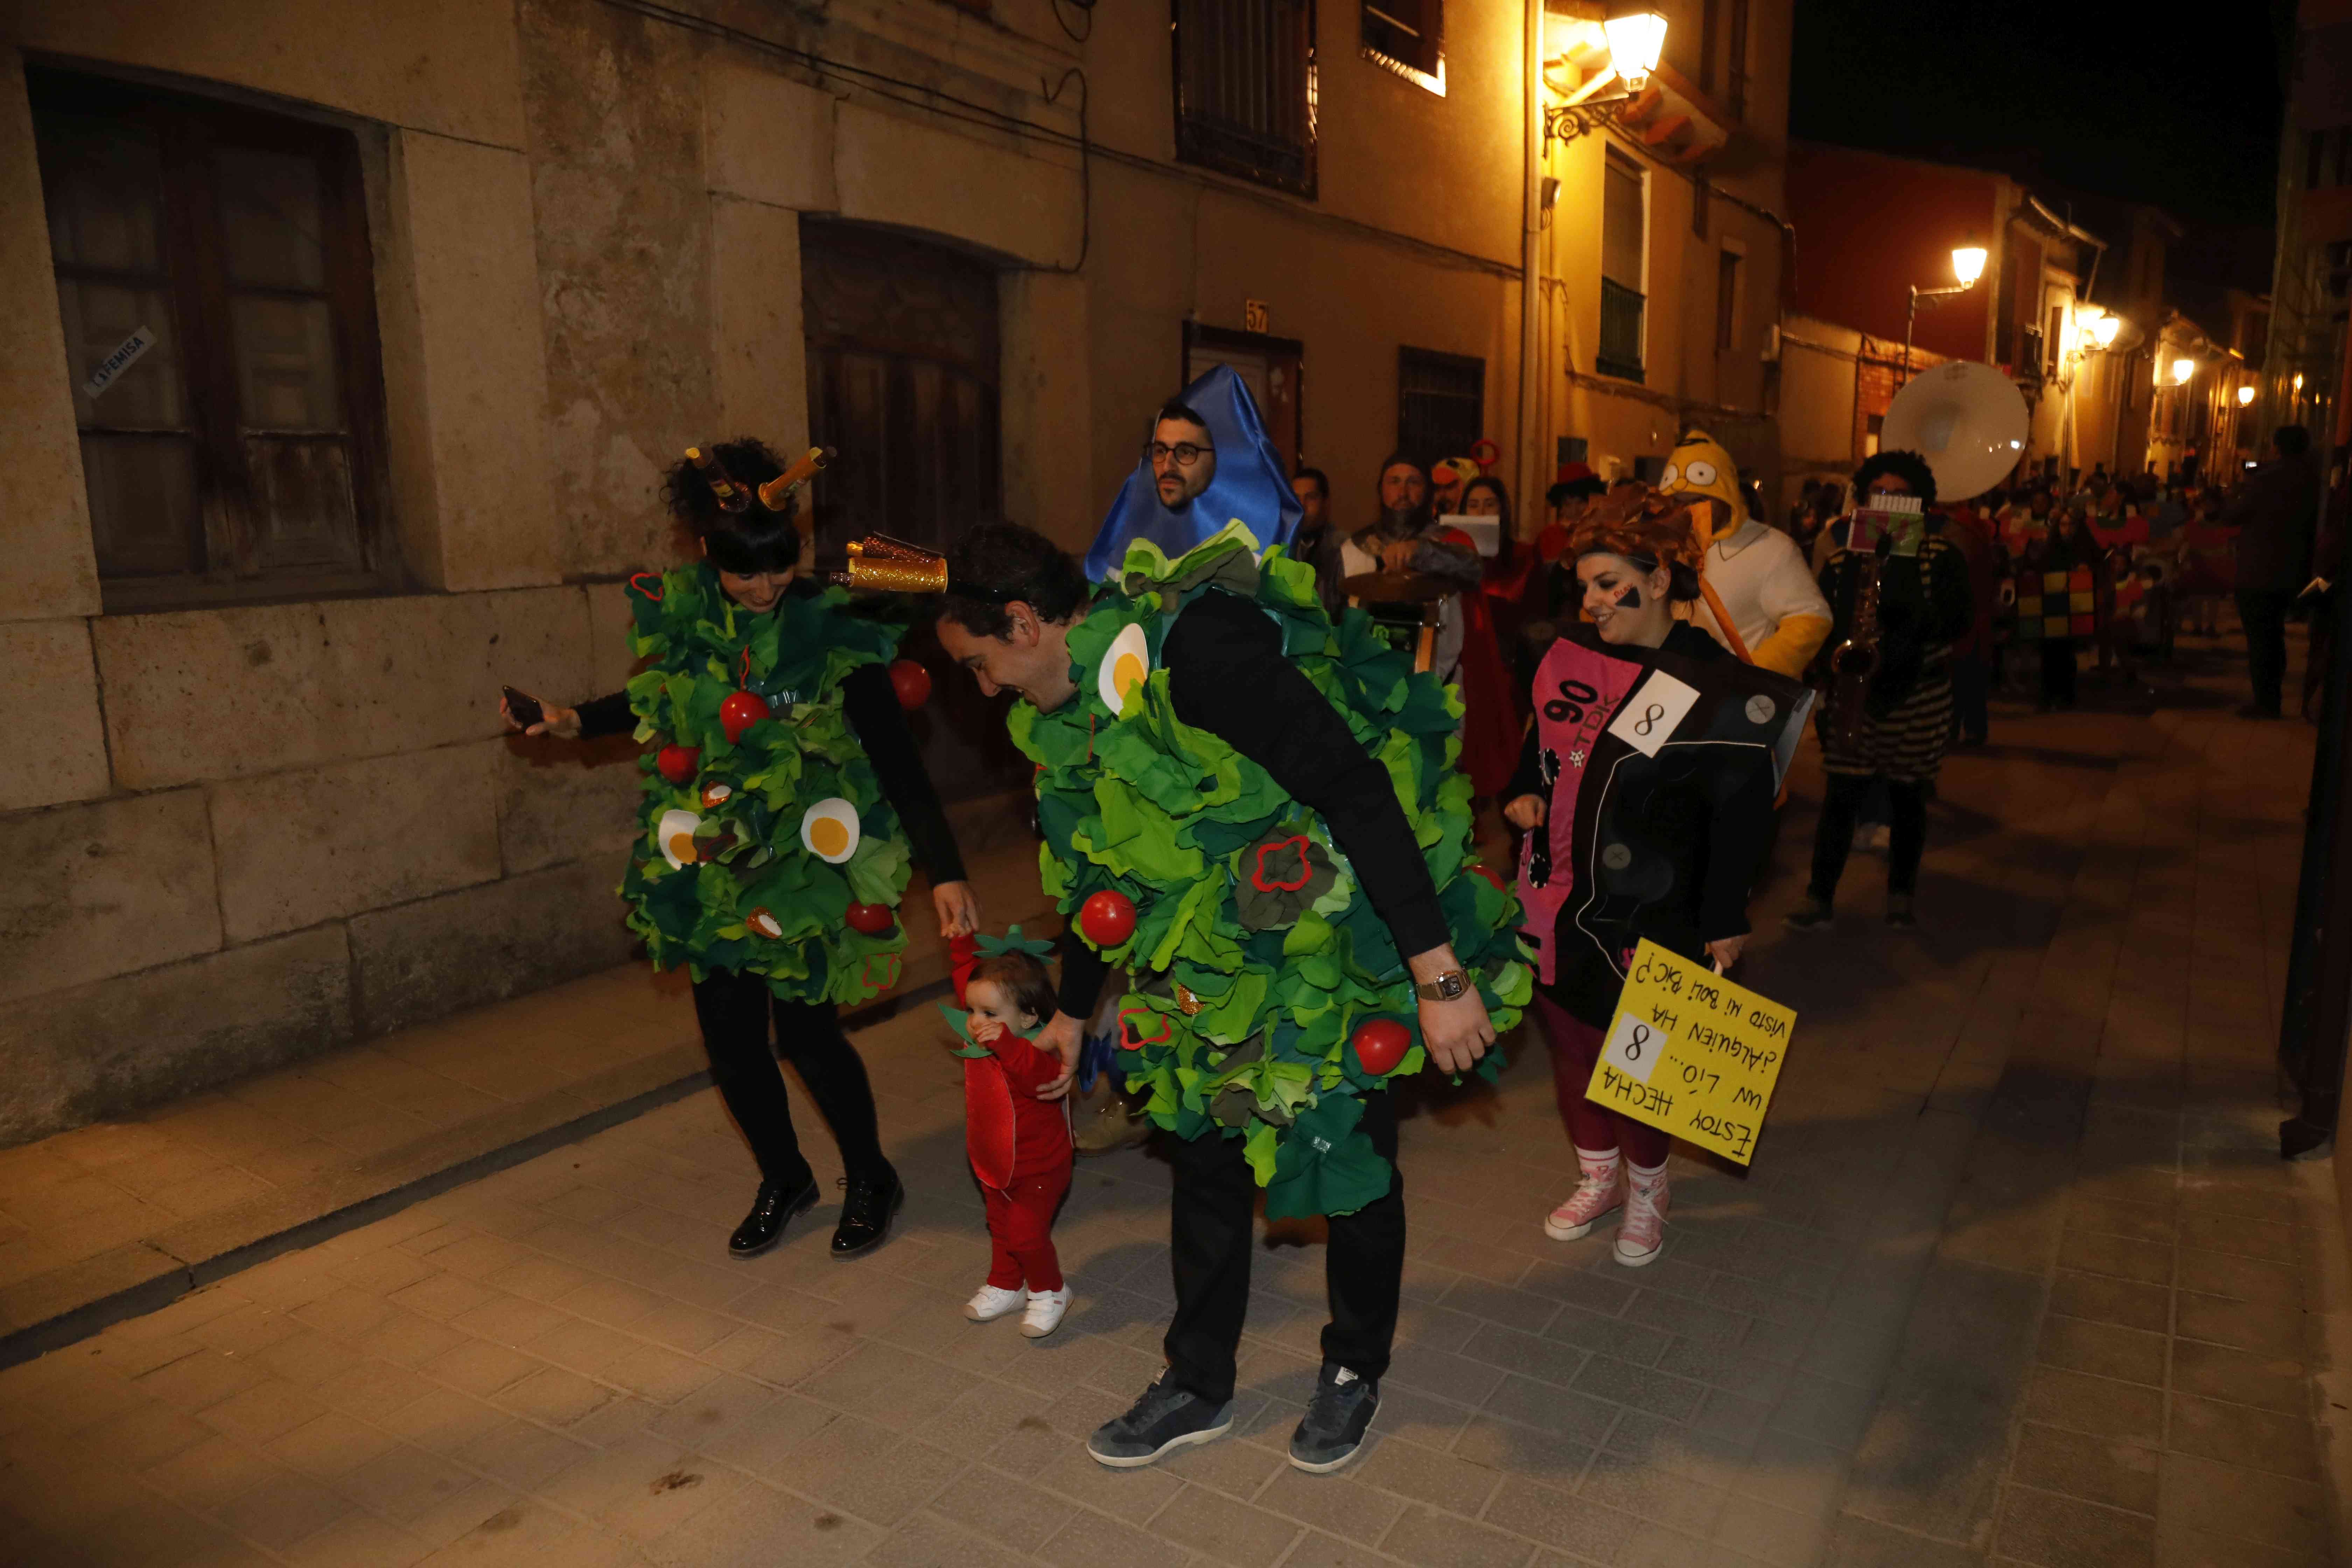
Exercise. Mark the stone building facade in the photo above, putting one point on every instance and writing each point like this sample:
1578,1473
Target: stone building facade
432,291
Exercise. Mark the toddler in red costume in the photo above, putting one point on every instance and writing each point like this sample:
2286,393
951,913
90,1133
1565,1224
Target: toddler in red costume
1019,1144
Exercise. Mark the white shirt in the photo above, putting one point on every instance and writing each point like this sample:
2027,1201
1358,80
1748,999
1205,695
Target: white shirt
1762,579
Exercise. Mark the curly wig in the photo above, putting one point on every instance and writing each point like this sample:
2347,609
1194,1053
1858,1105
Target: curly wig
1648,529
1909,466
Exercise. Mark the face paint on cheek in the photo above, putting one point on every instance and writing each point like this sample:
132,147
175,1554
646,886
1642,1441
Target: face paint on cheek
1630,599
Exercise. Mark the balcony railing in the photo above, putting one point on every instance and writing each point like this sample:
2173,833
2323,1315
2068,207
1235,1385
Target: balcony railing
1620,352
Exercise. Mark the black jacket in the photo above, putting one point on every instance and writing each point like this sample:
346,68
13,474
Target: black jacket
2275,512
1665,847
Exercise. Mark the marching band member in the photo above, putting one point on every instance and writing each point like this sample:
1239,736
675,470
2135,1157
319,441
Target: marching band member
1922,604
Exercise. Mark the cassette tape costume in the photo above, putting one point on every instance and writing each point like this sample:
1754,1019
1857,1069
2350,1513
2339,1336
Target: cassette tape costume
1646,788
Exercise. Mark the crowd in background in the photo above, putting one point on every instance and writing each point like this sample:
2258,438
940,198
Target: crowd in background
2111,570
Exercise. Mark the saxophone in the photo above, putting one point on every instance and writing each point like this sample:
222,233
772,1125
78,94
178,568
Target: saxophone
1853,661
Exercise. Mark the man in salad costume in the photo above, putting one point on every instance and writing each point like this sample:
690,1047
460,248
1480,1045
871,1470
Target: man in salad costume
1255,811
1760,600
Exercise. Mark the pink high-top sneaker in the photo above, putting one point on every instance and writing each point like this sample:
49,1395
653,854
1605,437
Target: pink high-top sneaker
1600,1192
1643,1236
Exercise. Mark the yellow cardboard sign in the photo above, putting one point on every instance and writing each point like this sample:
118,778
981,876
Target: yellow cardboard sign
1693,1053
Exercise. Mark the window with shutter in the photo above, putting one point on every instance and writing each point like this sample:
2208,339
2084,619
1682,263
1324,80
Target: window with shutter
1245,90
213,274
1624,227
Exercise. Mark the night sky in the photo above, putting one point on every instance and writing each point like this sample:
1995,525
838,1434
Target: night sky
2180,108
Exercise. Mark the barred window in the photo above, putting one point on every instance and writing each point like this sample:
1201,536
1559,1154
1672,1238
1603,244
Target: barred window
212,272
1245,90
1441,403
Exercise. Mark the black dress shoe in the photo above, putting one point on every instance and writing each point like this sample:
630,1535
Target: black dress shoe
776,1205
865,1214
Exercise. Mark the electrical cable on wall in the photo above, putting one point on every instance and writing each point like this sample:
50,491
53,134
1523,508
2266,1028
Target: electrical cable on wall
964,110
1083,7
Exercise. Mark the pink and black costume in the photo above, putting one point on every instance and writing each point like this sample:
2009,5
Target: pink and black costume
1664,844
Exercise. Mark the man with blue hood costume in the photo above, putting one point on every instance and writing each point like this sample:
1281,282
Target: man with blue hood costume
1206,462
1255,811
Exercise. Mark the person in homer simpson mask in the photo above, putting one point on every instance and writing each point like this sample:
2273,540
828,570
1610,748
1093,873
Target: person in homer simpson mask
1778,618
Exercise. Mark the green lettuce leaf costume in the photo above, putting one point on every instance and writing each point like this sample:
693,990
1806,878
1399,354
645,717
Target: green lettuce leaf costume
1255,955
751,890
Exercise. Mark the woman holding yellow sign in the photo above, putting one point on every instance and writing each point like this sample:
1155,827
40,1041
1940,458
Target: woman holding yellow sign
1646,788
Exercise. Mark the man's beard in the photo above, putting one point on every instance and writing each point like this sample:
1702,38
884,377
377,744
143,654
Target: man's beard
1401,523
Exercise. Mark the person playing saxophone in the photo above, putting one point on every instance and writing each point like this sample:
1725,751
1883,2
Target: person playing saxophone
1899,593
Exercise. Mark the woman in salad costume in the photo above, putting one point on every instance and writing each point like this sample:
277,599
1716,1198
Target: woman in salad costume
779,815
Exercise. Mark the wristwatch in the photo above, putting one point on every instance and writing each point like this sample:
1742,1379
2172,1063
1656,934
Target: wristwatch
1446,987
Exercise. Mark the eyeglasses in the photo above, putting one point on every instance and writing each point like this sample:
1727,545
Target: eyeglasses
1184,452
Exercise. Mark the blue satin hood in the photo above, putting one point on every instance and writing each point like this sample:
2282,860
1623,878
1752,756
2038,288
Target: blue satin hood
1252,484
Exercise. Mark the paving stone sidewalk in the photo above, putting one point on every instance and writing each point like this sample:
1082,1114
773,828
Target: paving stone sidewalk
2014,1279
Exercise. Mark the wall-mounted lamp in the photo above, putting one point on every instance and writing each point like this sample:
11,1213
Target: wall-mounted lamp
1635,41
2246,396
2182,369
1967,266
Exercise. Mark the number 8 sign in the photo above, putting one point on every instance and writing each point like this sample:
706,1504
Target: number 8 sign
1631,1049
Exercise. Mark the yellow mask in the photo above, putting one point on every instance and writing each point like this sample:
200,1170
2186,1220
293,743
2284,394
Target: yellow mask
1700,467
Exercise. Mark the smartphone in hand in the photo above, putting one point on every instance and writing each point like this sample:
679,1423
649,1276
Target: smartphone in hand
525,709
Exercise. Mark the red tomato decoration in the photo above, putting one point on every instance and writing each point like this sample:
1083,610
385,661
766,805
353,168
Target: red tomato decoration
871,918
1107,919
676,763
1128,1041
1380,1045
1295,846
912,682
1488,873
739,712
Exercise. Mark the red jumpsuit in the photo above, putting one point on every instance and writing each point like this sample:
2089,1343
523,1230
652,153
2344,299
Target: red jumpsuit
1020,1149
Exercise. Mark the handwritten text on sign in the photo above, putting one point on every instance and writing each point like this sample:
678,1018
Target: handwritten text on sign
1693,1053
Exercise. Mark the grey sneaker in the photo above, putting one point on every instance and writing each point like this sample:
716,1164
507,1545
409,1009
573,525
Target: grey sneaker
1165,1418
1335,1420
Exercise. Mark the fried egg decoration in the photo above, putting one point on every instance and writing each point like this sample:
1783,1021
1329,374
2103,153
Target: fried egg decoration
1125,668
674,833
829,830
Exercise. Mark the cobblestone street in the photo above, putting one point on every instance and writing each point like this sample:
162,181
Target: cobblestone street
2016,1278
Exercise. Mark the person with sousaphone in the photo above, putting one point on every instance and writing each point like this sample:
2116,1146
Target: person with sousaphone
779,818
1645,790
1901,594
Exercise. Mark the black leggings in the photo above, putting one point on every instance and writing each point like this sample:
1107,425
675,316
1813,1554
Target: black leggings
733,1010
1906,832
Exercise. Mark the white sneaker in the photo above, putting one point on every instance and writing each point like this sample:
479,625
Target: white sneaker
989,1303
1044,1313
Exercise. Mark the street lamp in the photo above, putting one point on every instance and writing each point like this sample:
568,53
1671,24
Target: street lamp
2246,396
2105,328
1635,41
2182,369
1967,266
